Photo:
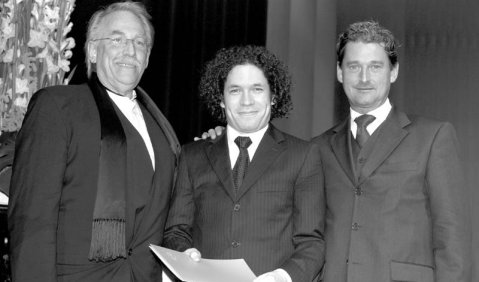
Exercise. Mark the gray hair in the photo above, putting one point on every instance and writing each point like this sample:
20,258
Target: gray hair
135,8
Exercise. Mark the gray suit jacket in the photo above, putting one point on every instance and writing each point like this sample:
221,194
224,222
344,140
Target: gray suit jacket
403,215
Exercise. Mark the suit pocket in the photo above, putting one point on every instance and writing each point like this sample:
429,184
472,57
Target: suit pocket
399,166
408,272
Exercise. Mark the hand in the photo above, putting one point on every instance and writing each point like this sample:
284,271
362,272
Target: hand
273,276
212,133
193,254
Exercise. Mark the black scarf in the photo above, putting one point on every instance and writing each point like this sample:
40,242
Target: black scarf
108,227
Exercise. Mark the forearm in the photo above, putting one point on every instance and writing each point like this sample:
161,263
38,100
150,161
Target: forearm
35,192
178,238
448,202
309,212
178,231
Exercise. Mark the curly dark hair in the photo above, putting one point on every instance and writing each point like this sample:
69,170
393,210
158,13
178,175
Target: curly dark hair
216,71
368,32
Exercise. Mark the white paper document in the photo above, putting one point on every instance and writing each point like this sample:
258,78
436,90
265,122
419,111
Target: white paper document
206,270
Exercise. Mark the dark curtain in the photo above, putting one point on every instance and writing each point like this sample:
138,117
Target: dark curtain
187,34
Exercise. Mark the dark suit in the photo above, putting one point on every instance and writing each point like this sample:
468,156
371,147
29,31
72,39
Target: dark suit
399,212
54,186
274,221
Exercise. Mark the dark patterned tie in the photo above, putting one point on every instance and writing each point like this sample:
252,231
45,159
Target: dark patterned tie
362,134
241,165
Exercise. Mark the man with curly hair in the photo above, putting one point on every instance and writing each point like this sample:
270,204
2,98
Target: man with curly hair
254,192
396,207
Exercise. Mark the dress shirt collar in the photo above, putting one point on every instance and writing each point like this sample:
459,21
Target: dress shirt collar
122,101
381,113
256,137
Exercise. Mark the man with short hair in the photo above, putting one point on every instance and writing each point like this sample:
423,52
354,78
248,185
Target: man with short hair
255,192
396,207
94,165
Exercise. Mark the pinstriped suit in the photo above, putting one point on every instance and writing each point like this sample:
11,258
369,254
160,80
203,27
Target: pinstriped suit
274,221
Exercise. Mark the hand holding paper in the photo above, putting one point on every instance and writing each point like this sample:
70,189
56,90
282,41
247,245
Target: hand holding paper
204,270
278,275
193,253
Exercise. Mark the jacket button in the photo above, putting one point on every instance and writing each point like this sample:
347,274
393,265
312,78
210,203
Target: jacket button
358,191
355,226
235,244
237,207
130,252
362,160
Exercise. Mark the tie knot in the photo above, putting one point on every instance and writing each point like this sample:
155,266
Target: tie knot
364,120
243,142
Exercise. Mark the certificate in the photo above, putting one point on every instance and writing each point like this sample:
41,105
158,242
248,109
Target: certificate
205,270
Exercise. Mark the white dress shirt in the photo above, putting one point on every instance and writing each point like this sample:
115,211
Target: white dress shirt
130,108
233,148
381,113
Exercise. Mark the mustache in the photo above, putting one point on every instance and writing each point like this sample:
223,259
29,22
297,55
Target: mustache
364,85
129,60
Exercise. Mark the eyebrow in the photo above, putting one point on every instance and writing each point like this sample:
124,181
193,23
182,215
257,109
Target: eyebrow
371,62
117,32
254,84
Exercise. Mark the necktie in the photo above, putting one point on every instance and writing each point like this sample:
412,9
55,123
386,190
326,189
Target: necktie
362,134
241,165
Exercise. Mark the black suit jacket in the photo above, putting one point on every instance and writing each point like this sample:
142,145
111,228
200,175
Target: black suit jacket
53,192
274,221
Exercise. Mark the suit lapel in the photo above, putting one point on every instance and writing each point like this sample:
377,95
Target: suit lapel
340,142
158,116
270,147
219,157
391,133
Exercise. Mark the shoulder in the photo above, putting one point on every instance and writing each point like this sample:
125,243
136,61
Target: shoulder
62,94
292,143
69,103
428,126
325,137
196,147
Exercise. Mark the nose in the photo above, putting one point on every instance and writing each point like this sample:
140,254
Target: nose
364,74
129,47
246,98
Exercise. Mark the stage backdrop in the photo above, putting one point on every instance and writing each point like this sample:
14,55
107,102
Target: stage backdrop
438,73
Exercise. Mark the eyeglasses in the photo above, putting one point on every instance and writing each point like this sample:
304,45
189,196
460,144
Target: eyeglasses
121,41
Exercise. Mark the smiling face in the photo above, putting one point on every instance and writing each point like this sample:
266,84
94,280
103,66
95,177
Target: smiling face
366,75
247,99
119,67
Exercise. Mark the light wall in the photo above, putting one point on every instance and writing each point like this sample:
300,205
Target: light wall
300,33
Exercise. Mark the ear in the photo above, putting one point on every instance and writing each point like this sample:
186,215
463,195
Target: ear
394,73
148,57
273,99
339,73
92,52
222,104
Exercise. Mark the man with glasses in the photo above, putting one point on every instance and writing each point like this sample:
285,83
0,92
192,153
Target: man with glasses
88,191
